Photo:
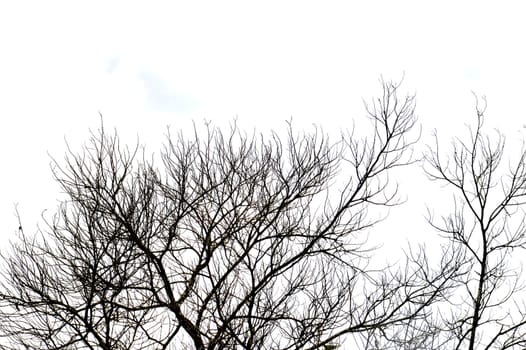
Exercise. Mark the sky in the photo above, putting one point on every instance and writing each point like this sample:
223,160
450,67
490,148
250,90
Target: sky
145,65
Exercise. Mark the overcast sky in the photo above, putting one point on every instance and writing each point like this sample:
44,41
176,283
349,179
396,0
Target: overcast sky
146,65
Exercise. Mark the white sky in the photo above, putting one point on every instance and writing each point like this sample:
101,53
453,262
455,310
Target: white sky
146,65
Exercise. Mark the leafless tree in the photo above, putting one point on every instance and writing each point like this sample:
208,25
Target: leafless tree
487,222
233,242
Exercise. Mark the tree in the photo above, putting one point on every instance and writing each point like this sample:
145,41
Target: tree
487,224
234,242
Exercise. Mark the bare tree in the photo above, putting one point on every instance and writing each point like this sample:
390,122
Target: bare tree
487,224
69,286
234,242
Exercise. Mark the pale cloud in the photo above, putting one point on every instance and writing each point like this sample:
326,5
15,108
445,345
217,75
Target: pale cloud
112,64
162,97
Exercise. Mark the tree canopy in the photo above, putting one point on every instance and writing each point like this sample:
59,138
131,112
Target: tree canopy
231,240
